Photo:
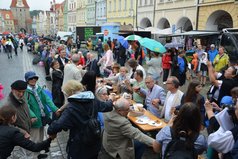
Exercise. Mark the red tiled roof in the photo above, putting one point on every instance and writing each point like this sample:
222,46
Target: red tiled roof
7,12
14,2
57,6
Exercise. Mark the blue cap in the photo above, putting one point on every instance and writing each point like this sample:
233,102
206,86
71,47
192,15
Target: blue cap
226,100
30,75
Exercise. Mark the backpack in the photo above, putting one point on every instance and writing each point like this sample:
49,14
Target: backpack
178,148
91,133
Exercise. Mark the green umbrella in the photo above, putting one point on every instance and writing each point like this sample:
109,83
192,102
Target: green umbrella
133,37
152,45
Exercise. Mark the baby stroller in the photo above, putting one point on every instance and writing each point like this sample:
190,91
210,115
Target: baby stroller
29,47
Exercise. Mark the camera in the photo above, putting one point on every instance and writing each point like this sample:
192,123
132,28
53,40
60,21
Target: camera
231,112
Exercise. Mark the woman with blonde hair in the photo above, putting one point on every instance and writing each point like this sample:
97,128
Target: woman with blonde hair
70,88
78,117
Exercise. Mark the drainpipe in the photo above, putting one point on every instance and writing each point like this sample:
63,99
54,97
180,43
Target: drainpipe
197,14
136,15
154,14
95,13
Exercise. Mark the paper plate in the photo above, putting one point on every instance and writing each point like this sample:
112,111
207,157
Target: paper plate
140,121
153,123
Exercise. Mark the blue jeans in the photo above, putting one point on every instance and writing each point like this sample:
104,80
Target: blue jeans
139,149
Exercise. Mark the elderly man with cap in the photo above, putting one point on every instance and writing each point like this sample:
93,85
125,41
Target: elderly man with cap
37,102
23,122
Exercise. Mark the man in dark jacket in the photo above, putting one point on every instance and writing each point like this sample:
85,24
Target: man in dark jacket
62,59
75,119
11,136
23,122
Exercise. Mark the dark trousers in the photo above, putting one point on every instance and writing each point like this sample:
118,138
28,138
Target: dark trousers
121,61
139,149
5,48
78,46
165,74
15,49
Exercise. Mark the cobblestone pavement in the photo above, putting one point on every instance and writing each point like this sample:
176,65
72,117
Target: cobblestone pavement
13,69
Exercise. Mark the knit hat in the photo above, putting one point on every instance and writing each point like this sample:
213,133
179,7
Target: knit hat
30,75
19,85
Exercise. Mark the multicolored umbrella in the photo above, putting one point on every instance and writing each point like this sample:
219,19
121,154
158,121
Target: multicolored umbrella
152,45
133,37
123,42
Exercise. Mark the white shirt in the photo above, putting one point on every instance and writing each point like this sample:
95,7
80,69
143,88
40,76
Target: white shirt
168,106
63,61
221,140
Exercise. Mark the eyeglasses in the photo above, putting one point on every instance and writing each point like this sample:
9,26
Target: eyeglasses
36,78
168,83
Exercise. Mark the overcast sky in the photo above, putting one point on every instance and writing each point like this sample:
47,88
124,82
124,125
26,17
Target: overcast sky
33,4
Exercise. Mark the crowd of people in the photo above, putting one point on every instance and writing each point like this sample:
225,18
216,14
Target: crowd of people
85,86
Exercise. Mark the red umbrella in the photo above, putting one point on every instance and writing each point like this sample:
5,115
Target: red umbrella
6,33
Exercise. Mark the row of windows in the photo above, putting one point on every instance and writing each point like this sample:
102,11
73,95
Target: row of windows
72,6
72,19
119,7
20,10
9,22
146,2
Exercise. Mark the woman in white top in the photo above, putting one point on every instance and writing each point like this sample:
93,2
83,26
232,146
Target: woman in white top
108,57
154,66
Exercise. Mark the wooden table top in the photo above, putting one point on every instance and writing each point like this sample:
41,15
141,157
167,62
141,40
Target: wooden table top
147,127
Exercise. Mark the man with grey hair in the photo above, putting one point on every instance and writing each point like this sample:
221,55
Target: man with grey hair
119,134
72,71
92,64
155,96
173,98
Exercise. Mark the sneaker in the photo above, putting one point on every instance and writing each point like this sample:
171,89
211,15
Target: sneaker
42,156
164,83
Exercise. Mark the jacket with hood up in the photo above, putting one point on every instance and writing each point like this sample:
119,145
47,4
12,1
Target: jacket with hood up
74,119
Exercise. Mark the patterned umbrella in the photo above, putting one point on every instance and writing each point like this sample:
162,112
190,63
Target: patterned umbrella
152,45
133,37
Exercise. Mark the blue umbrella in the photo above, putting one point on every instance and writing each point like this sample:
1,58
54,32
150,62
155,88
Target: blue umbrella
152,45
123,42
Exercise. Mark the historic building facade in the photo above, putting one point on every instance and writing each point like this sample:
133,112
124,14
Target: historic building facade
101,11
2,23
122,11
176,15
8,23
21,15
72,15
145,13
90,12
81,12
216,15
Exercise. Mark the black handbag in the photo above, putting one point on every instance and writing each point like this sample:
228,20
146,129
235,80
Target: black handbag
46,120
